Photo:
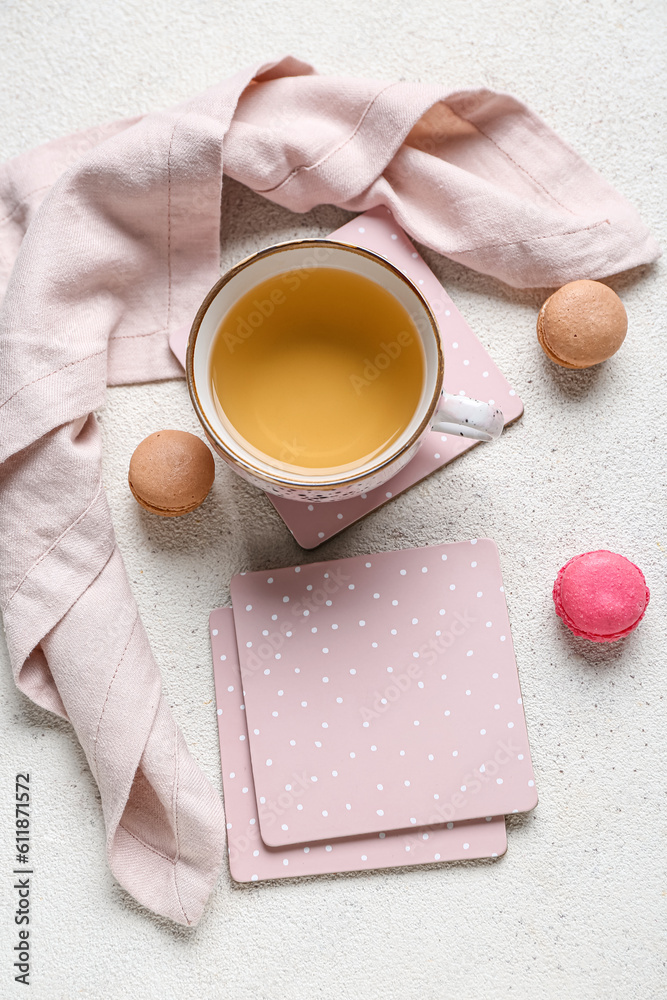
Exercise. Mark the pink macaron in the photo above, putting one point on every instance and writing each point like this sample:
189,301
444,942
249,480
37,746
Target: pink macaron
601,596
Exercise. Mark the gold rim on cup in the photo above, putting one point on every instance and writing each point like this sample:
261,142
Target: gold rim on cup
243,463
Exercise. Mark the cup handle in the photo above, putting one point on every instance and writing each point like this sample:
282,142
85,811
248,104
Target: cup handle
467,417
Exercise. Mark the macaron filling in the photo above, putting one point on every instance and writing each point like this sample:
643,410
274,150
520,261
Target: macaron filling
544,343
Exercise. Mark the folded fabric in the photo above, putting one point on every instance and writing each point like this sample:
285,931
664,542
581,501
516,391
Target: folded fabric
109,240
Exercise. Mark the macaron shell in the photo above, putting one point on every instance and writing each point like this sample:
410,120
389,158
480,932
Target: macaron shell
601,595
582,324
545,346
171,473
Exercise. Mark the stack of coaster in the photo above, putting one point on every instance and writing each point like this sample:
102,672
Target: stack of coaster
369,713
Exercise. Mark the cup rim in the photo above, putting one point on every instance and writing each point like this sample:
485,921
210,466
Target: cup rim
240,461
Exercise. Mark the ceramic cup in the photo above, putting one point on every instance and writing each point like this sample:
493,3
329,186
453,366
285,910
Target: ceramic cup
437,410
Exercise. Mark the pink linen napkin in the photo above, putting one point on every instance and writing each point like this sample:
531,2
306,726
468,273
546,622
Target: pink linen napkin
109,240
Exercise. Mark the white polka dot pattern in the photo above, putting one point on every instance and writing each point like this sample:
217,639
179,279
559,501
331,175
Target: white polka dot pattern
250,860
426,688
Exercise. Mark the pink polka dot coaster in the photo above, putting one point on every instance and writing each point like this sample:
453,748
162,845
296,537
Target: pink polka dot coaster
385,685
250,859
469,371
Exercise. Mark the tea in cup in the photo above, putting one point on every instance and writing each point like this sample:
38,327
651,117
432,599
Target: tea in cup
315,368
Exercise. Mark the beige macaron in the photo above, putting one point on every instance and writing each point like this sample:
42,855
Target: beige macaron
171,473
582,324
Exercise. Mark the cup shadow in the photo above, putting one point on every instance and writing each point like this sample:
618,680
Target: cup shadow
249,222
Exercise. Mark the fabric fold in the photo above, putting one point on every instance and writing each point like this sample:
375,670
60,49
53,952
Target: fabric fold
109,240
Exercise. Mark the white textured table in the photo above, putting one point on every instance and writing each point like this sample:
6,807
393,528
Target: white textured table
577,906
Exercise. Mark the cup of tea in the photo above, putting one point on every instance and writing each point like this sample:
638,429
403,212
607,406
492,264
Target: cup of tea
316,370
